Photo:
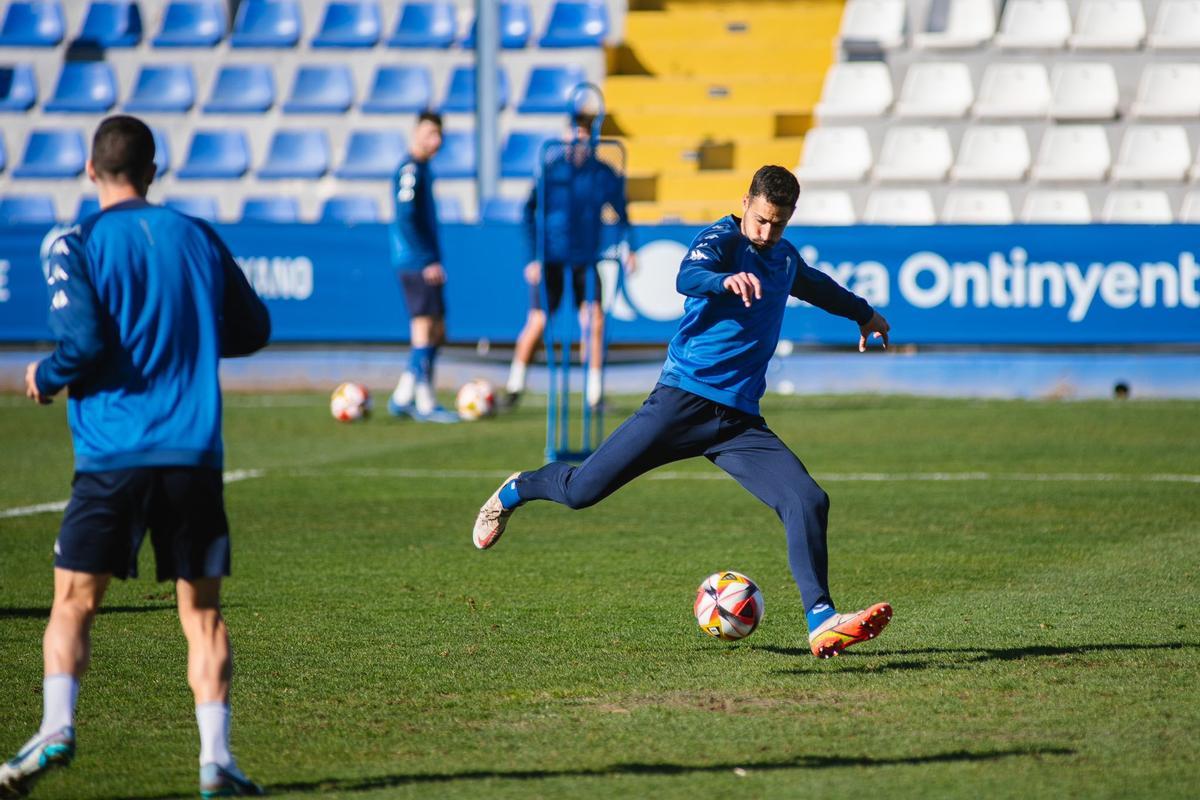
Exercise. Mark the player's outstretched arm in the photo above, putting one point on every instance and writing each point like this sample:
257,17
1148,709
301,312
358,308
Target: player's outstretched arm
875,328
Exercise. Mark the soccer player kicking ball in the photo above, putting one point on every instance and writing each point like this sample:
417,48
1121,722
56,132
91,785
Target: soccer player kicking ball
737,277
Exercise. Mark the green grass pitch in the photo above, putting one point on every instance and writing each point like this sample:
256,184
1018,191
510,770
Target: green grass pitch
1046,641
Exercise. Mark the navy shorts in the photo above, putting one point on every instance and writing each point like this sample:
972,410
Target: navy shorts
554,279
109,513
422,299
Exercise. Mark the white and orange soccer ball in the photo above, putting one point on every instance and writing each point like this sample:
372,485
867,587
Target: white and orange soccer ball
728,606
476,399
350,402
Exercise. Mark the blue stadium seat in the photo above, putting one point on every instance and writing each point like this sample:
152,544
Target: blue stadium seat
192,23
202,206
297,154
426,24
242,89
273,209
549,89
163,87
53,153
84,87
162,151
216,154
576,23
516,24
3,153
521,152
324,89
350,209
27,209
18,87
266,23
88,205
372,155
449,209
460,94
32,23
503,209
456,159
349,23
111,23
403,89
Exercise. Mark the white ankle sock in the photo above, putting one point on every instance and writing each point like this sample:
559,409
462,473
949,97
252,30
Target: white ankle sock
595,389
403,394
425,399
59,693
516,377
213,721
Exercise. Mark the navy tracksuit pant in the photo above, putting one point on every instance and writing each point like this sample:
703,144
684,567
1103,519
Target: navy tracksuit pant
674,424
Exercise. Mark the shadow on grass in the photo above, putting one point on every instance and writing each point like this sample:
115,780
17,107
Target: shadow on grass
44,612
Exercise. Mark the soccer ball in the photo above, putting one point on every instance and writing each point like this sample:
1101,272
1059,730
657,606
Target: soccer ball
728,606
350,402
477,398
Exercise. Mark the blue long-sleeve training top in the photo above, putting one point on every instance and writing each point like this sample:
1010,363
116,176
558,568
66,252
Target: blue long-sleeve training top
576,191
414,233
144,301
722,348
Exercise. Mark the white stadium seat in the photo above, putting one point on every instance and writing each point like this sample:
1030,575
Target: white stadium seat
1168,91
1060,207
969,23
1195,171
1190,212
873,23
939,89
1084,91
835,154
855,89
1013,90
1034,24
1177,26
1109,25
993,153
1138,207
824,207
1153,153
1073,153
914,154
977,207
900,207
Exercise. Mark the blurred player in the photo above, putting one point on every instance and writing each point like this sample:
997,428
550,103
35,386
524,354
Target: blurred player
144,303
737,277
417,257
577,186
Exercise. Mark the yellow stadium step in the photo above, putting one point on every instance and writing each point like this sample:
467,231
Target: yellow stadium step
690,213
733,24
715,187
798,93
681,154
741,59
706,124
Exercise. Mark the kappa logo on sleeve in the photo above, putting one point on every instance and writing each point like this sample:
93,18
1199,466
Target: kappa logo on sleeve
700,254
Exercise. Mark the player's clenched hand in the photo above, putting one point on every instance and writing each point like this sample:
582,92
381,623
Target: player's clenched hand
745,285
533,273
31,390
434,275
875,328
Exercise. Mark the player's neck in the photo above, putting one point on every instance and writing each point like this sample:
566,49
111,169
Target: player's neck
112,193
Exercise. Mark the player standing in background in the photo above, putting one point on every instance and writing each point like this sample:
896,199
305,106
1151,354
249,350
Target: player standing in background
417,257
577,186
737,277
144,303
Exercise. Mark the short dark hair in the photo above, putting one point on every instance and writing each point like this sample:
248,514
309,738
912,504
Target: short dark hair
123,147
777,185
430,116
583,119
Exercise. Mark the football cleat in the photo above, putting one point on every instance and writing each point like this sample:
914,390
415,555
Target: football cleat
218,781
19,774
436,414
397,410
843,630
490,522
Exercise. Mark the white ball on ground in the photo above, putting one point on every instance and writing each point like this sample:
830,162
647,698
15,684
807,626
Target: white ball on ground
728,605
350,402
476,399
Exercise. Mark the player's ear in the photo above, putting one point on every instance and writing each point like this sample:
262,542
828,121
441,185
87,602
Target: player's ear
745,204
91,171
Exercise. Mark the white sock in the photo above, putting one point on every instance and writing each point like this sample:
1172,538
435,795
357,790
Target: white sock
59,693
516,376
595,389
213,721
403,395
426,400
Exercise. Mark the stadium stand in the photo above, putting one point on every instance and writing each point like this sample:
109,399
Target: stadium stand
426,25
321,89
1143,207
503,209
449,209
460,94
27,209
457,157
192,23
267,23
516,26
163,88
350,24
977,207
35,23
1057,207
576,23
3,153
549,89
900,207
824,207
57,153
216,154
296,154
274,209
242,89
521,152
350,209
111,23
403,89
372,155
18,87
88,205
162,152
84,87
201,206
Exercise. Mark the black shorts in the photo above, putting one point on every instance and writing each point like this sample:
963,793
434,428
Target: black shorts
109,513
422,299
553,277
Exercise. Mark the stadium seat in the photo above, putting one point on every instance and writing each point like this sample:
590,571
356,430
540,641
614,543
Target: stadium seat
940,89
321,89
1083,91
900,207
1034,25
350,209
1073,153
521,152
216,154
503,209
296,154
1144,207
835,154
1109,25
1168,91
18,87
400,89
372,155
111,23
32,23
355,23
914,154
977,207
993,153
549,89
84,87
872,24
192,23
516,25
201,206
27,209
88,205
162,151
54,153
968,23
449,209
460,91
1190,212
1177,26
1013,90
855,89
576,23
426,25
273,209
242,89
163,88
1153,153
456,159
1056,207
824,207
3,153
266,23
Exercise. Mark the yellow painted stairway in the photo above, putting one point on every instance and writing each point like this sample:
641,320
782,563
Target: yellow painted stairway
703,92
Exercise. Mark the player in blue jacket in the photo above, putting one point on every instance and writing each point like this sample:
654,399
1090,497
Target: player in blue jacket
144,302
737,277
